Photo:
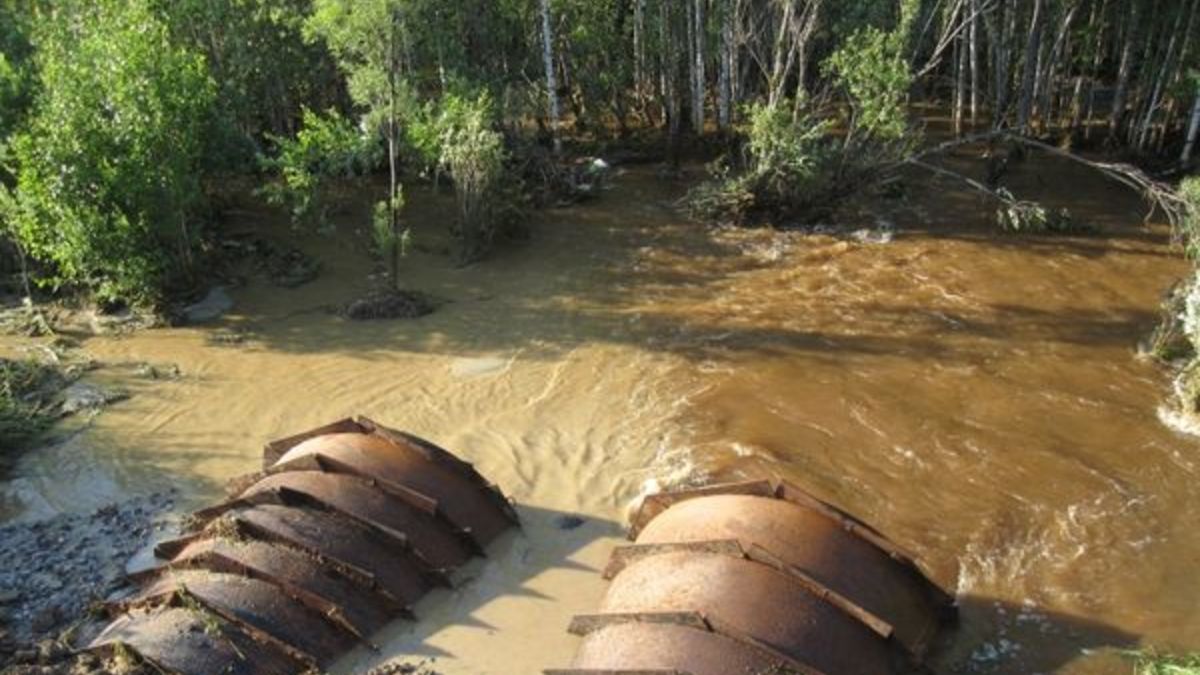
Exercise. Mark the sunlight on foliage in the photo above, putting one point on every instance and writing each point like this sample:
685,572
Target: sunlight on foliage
472,152
1154,663
107,172
871,67
327,146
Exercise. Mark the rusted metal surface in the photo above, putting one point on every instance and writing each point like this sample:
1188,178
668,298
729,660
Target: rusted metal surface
348,526
820,548
771,571
663,647
314,581
180,640
408,465
748,599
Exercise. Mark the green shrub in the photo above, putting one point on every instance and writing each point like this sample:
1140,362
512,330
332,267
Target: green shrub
389,243
108,169
1154,663
871,68
1016,215
472,152
327,146
25,390
790,169
1189,227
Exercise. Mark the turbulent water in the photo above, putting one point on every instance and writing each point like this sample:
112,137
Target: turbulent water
976,396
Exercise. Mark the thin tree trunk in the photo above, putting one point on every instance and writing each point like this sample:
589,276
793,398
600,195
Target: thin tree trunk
1123,70
973,39
1193,130
1165,74
805,25
784,55
961,64
1029,75
728,56
392,134
1160,80
699,79
639,49
551,80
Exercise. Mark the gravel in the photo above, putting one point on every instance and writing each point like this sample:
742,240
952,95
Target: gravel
52,571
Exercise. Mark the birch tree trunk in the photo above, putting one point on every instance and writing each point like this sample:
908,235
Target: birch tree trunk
699,79
728,56
973,39
639,51
961,64
1165,74
1029,73
1123,70
784,55
1193,130
551,80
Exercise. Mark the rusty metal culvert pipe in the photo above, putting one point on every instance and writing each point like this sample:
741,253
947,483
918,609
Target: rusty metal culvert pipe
758,577
346,527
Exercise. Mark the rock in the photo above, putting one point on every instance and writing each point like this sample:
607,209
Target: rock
50,651
291,268
46,619
8,595
568,522
213,306
82,396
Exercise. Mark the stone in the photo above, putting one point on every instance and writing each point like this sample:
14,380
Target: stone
212,307
81,396
568,522
46,619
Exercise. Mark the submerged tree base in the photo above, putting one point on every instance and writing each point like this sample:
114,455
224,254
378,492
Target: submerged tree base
389,304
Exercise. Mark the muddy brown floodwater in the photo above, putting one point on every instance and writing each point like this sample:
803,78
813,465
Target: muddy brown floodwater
976,396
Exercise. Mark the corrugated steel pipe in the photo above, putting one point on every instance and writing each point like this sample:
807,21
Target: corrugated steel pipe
758,578
345,529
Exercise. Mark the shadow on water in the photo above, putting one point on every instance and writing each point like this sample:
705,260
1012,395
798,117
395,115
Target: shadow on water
1001,638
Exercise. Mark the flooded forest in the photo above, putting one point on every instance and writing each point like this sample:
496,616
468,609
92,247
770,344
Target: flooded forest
465,337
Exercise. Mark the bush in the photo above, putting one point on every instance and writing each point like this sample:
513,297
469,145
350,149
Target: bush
25,390
1153,663
108,169
472,152
789,171
1189,227
1025,216
326,146
870,67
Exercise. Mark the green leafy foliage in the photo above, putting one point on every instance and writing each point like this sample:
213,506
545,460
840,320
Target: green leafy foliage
472,152
1155,663
789,170
1189,226
1015,215
264,70
107,172
17,76
25,390
327,146
872,69
389,242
